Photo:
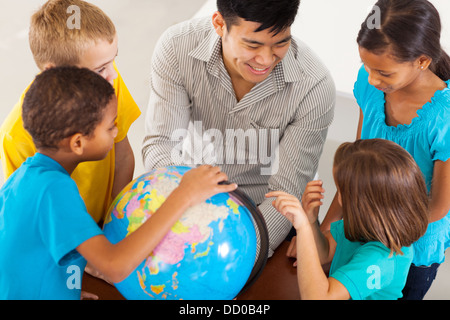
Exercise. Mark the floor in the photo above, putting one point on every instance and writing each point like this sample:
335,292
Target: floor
139,24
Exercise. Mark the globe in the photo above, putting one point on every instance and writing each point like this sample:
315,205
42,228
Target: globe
208,254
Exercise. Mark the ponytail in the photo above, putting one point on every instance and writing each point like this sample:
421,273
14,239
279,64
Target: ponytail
442,67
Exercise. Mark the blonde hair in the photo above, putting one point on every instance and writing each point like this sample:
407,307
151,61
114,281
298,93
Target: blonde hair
383,192
52,41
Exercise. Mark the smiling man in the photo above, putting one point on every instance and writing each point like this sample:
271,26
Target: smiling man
231,89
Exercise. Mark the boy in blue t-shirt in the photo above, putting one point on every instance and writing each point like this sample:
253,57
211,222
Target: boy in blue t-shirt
46,234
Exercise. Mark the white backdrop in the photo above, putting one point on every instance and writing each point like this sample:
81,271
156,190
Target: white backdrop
330,28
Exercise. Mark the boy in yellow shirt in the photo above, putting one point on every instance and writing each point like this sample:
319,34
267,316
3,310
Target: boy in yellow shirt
92,45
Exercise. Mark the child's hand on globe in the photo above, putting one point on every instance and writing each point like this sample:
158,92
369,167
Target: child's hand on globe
203,182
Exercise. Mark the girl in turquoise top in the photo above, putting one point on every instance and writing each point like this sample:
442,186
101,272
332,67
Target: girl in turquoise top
383,194
403,91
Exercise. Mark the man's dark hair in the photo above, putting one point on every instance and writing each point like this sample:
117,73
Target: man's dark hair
274,14
63,101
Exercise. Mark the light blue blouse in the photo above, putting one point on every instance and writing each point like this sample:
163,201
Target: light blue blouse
426,138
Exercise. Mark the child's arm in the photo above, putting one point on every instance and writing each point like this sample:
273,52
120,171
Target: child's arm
117,261
334,213
440,189
312,281
313,247
313,192
311,201
124,166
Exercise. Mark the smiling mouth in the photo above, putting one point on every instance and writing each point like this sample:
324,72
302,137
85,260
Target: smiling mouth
259,70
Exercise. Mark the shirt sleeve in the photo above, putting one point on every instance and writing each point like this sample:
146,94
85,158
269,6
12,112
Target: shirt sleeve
299,153
64,222
127,109
361,88
440,132
337,230
169,107
369,270
16,144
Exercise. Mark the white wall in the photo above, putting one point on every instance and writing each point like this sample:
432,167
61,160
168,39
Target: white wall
330,28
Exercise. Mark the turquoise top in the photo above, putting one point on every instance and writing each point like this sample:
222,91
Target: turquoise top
426,138
368,270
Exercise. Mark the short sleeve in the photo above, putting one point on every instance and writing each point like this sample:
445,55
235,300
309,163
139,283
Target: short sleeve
337,230
16,144
440,129
64,222
361,88
127,109
368,271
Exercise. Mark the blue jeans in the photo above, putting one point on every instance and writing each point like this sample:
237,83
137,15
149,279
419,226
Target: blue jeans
419,281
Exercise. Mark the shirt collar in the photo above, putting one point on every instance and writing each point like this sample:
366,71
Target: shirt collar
42,160
293,63
209,50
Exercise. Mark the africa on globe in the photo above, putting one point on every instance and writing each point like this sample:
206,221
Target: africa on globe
208,254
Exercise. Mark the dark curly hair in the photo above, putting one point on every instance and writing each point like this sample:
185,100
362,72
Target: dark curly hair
63,101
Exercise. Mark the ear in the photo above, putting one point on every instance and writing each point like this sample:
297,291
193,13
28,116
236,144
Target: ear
76,143
48,65
424,62
339,198
219,23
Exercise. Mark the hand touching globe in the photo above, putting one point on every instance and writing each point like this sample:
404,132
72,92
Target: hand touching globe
209,253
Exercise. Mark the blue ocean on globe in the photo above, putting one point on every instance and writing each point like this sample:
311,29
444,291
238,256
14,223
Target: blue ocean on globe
207,255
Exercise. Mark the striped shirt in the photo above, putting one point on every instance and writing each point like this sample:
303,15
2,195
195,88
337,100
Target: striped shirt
271,139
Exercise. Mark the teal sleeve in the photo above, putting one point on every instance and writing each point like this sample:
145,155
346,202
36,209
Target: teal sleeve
440,127
337,230
360,89
368,271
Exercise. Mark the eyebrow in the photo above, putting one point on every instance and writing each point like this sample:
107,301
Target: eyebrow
288,38
108,61
384,71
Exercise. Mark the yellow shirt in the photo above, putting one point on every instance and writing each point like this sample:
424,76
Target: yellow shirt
94,178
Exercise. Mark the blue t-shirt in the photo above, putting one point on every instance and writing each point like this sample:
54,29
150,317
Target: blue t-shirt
367,271
42,221
426,138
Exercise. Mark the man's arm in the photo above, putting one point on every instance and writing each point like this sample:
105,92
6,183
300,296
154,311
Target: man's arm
168,111
299,152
